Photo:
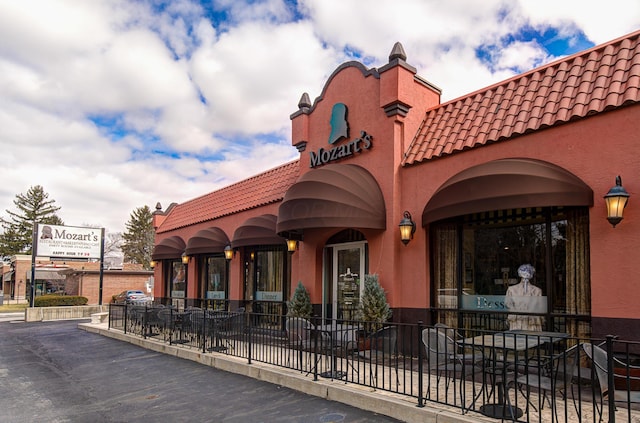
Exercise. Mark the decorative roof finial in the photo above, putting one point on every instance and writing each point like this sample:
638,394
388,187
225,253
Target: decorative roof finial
397,52
305,101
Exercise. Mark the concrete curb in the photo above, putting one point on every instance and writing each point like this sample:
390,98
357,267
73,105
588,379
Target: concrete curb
357,396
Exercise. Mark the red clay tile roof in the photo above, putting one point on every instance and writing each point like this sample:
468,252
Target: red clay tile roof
265,188
600,79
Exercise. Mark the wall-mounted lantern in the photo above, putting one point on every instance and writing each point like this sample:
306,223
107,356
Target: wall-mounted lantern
616,200
407,228
228,252
292,245
152,264
185,258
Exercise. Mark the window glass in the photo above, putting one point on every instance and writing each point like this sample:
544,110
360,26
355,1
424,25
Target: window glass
214,278
269,275
176,279
476,266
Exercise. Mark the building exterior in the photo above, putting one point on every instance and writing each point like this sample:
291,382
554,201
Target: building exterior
512,174
69,277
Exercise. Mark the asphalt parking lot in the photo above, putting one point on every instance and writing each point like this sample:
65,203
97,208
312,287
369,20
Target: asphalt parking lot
55,372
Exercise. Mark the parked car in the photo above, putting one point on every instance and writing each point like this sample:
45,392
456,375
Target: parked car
131,296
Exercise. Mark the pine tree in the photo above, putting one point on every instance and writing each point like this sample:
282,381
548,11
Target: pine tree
32,207
138,238
373,307
300,304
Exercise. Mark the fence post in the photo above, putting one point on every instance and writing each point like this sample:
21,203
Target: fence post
145,321
315,349
420,369
249,334
126,315
204,330
611,380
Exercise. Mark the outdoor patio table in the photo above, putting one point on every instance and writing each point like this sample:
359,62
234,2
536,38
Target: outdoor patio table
216,319
339,336
180,319
499,346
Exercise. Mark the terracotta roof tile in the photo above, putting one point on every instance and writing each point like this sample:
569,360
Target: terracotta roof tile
600,79
259,190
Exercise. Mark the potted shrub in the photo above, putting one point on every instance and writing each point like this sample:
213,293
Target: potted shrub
300,304
373,309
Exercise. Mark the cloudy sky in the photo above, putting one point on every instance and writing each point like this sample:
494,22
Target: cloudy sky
111,105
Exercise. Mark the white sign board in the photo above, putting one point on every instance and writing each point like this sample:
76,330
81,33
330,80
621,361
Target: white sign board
268,296
68,241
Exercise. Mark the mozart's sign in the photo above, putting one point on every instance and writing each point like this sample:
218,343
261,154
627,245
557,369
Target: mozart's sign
340,131
68,241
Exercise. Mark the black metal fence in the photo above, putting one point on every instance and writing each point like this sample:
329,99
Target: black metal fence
512,375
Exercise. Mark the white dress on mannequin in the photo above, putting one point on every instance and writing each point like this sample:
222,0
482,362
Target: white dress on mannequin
521,298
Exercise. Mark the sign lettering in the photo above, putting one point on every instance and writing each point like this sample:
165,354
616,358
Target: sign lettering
339,152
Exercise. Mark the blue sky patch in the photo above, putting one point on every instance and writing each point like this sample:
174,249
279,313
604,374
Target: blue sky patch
554,43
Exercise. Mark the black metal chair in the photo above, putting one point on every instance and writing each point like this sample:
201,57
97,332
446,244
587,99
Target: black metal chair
298,331
550,379
599,359
382,352
447,359
303,338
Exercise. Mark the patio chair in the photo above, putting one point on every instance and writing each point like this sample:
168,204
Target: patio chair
554,377
173,322
298,331
233,328
383,351
135,318
599,360
301,338
446,359
194,324
444,354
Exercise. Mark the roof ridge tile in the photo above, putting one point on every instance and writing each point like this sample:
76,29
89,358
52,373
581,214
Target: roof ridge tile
593,81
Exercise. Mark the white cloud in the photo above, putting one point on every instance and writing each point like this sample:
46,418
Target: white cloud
184,90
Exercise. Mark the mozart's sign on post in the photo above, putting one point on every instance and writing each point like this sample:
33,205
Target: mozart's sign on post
67,241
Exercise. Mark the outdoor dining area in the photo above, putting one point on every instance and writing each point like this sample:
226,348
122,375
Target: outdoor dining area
513,375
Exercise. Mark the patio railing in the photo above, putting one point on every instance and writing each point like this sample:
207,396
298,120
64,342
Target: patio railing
512,375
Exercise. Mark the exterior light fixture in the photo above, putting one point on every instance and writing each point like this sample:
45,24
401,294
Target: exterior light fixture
616,200
185,258
228,252
292,245
407,228
152,264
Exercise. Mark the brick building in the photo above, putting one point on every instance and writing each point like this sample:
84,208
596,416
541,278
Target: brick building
71,278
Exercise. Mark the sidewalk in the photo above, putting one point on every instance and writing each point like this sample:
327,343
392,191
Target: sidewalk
17,316
396,406
401,407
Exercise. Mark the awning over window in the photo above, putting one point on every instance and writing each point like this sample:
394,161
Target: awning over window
333,196
507,184
169,248
47,275
260,230
207,241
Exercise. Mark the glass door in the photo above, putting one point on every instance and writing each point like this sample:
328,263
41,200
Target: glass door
348,272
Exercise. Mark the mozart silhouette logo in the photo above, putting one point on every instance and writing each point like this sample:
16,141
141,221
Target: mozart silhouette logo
339,124
339,131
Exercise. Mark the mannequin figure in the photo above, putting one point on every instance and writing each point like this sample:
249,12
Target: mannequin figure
519,299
